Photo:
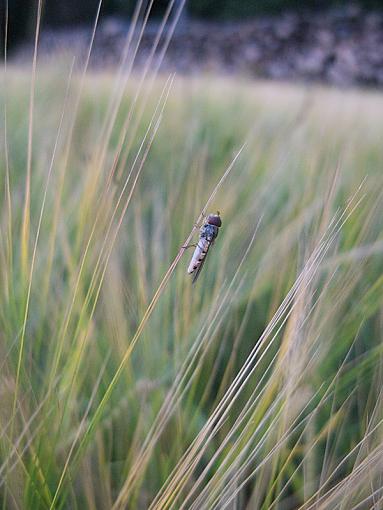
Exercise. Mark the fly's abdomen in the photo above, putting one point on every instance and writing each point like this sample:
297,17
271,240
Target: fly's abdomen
198,255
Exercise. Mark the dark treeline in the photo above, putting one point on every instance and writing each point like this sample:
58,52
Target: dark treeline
22,13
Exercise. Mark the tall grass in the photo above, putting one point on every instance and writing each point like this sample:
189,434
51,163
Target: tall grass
122,386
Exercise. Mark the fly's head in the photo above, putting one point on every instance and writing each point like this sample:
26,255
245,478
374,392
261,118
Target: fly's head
214,219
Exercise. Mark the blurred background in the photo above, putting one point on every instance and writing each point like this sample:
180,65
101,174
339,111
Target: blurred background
338,42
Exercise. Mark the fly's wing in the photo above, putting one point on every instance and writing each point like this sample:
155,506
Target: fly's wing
197,271
198,256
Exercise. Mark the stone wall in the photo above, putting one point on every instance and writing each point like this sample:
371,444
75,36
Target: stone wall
341,46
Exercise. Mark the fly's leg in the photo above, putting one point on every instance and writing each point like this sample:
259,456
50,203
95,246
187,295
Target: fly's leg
194,245
199,225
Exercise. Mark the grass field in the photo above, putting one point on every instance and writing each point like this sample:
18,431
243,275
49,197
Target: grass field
124,386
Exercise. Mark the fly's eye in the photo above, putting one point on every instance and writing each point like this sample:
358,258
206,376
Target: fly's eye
214,219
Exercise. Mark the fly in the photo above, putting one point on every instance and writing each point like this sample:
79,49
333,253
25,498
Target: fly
207,236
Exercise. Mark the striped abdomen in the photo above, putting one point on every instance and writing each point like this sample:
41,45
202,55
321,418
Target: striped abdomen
199,254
